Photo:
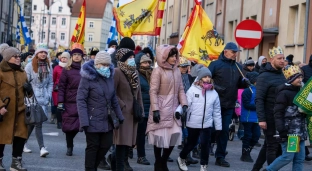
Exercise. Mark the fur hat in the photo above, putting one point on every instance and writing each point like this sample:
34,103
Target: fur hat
123,54
102,57
7,51
252,76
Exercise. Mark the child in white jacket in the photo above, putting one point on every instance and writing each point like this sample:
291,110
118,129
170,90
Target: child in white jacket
203,110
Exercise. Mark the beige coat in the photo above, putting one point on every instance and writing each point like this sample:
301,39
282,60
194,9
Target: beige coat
127,132
11,85
166,91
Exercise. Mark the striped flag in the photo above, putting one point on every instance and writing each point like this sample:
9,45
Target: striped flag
22,34
79,31
113,34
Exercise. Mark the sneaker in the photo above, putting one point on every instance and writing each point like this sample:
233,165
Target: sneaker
203,167
43,152
143,160
17,164
26,149
221,162
182,164
1,165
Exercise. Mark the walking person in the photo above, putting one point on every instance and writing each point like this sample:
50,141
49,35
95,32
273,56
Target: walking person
67,94
128,88
265,99
12,126
289,121
203,112
249,118
227,80
166,94
39,73
143,63
262,60
57,71
95,93
125,42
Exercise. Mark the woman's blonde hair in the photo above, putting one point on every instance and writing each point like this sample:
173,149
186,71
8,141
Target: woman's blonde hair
70,62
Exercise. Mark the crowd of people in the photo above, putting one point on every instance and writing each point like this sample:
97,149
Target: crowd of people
121,102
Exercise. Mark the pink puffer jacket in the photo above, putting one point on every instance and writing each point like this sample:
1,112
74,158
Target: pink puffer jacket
166,91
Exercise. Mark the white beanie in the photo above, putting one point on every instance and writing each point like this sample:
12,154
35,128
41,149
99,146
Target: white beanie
41,48
102,57
66,55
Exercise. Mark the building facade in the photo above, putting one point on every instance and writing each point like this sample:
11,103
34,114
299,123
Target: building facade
285,23
8,20
50,23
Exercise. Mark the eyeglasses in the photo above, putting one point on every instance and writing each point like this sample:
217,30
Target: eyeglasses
17,56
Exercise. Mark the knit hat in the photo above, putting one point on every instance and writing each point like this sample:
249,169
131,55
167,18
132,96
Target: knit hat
66,55
123,54
41,47
291,73
203,72
250,62
25,55
112,42
102,58
252,76
8,52
128,43
94,51
145,58
183,62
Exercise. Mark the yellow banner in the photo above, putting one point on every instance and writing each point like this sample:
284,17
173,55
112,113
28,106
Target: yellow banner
79,30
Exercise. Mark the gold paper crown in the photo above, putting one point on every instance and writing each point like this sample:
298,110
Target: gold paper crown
275,51
291,70
77,46
183,61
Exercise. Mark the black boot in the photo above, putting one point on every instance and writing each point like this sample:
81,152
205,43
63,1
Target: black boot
158,166
104,165
17,164
59,125
69,151
164,165
246,155
111,159
211,149
1,165
190,160
126,162
130,153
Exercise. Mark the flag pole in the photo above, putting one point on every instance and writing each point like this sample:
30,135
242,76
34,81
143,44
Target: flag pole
243,76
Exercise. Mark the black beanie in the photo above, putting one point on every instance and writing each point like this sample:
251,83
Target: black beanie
128,43
252,76
111,43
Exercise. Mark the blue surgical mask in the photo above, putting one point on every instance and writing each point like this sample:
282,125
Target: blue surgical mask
104,71
131,62
29,60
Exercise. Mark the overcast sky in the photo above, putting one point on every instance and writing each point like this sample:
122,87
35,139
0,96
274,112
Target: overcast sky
121,2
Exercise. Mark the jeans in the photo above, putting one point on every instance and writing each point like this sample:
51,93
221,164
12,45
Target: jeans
39,135
18,146
224,134
70,138
97,146
140,141
286,158
194,134
251,134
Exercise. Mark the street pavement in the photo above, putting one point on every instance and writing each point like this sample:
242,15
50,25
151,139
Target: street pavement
58,161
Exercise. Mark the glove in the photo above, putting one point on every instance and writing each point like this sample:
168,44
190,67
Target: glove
247,82
218,132
60,106
28,88
184,109
121,122
156,116
177,115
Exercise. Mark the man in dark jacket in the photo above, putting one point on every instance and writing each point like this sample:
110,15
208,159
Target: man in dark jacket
126,42
270,77
55,62
227,81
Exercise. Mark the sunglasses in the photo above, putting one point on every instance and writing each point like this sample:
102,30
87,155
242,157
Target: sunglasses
17,56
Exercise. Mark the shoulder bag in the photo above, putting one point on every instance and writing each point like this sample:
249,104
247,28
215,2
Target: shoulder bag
34,113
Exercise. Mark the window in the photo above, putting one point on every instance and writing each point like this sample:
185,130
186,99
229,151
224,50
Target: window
292,29
91,24
32,19
53,21
35,7
90,37
63,21
62,36
60,9
44,20
32,35
43,35
53,36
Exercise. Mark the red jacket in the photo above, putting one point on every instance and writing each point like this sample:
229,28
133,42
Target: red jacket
56,78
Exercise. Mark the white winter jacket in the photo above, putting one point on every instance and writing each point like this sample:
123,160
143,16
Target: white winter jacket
200,115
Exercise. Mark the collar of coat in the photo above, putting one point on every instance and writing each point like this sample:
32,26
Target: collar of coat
4,66
88,71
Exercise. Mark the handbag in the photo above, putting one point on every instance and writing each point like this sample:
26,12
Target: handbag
112,117
137,108
34,113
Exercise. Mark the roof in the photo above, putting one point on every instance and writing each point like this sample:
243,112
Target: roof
94,8
48,2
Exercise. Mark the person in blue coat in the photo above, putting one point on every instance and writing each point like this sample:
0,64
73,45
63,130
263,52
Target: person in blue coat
249,118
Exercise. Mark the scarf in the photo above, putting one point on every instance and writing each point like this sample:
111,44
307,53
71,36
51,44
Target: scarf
62,64
43,70
130,73
14,66
146,72
186,82
206,86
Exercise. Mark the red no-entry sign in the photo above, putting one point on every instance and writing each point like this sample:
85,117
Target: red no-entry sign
248,34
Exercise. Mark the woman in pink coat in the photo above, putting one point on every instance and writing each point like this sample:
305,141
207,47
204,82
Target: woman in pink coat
166,94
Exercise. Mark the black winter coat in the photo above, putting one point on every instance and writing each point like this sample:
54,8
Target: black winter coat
114,59
145,87
307,70
267,81
227,80
287,118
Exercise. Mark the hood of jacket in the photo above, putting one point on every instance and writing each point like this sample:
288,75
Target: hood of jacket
88,71
267,67
260,60
288,87
162,53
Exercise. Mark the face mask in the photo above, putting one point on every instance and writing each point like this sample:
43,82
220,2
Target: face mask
104,71
29,60
131,62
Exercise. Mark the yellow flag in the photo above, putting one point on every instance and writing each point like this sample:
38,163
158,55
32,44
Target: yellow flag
79,30
140,17
200,41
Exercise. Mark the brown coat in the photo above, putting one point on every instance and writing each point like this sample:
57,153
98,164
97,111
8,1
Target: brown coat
166,91
11,85
127,132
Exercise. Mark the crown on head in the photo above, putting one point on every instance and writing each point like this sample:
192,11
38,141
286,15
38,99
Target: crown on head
41,46
77,46
275,51
291,70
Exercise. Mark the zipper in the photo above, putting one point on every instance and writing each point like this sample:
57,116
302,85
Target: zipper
174,86
204,113
91,114
190,116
